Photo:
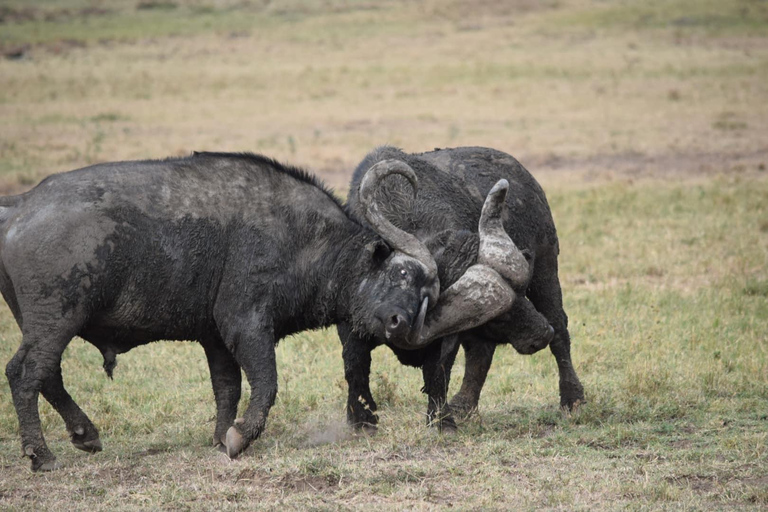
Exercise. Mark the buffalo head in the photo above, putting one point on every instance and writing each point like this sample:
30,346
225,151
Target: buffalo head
401,283
484,291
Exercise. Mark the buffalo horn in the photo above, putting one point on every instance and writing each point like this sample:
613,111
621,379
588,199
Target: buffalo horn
497,250
480,295
396,237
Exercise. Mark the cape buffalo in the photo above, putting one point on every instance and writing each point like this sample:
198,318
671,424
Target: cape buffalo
452,185
235,251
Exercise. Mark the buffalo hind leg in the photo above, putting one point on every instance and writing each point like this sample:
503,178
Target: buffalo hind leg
226,380
361,407
478,353
82,432
546,295
37,361
437,375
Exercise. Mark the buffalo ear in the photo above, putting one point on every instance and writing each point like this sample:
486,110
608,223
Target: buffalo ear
378,251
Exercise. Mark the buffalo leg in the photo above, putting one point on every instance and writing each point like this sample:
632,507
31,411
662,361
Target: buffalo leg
437,375
36,362
361,407
478,353
82,432
227,387
546,295
527,330
253,348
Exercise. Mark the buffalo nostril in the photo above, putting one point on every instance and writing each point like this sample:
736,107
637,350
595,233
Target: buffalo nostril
397,325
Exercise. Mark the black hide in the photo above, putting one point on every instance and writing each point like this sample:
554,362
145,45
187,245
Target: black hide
453,184
235,251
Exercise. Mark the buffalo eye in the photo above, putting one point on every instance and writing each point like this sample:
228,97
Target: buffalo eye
527,255
403,273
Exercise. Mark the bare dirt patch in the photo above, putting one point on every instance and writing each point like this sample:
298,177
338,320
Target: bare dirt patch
25,14
638,166
681,444
464,9
251,476
309,483
760,481
699,483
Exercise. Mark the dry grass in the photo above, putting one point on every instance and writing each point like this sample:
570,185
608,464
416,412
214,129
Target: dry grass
322,89
646,124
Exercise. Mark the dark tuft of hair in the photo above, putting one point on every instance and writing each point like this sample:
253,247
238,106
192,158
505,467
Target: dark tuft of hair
264,161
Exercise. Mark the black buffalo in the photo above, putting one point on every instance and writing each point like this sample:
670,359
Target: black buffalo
235,251
452,186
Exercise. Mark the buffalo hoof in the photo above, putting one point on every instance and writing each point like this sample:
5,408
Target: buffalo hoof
571,396
235,441
221,443
368,429
41,463
443,429
362,418
51,465
463,408
447,426
572,406
444,425
91,446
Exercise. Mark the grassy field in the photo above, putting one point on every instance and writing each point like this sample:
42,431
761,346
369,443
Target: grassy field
647,125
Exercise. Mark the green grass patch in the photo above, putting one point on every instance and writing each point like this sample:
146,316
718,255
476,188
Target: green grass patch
73,22
130,25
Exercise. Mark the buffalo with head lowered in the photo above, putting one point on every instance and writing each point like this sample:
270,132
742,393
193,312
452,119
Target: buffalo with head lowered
234,251
446,216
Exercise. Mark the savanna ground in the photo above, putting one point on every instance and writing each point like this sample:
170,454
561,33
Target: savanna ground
646,123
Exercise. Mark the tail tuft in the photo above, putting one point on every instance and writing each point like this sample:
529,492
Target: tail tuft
110,361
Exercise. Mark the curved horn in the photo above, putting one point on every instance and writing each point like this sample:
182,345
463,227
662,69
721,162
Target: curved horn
399,239
480,295
497,250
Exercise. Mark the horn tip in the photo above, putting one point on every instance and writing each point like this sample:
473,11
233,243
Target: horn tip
502,184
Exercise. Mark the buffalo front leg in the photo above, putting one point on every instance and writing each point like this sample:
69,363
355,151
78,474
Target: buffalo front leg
437,375
527,330
82,432
356,352
253,348
226,380
478,353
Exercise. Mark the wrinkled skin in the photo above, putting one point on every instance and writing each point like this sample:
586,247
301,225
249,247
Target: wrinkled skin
452,186
234,251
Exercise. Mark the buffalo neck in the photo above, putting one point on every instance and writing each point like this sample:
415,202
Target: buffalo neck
320,278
